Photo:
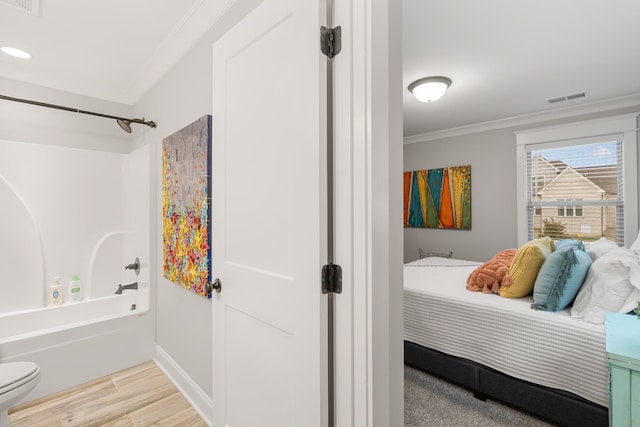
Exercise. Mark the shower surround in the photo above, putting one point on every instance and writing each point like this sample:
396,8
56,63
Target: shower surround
66,212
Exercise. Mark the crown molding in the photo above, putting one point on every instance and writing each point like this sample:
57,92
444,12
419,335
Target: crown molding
527,119
203,15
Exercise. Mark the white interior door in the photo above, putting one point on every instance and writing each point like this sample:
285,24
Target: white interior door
269,219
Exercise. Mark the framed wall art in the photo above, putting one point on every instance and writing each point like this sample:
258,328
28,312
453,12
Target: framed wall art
438,198
186,206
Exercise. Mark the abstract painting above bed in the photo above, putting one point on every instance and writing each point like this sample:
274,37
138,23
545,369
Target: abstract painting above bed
438,198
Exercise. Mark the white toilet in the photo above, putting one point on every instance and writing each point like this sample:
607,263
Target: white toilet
16,380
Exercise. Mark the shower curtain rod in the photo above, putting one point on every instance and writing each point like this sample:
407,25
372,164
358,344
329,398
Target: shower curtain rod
122,121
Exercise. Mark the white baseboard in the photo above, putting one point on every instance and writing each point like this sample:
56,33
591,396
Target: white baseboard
194,394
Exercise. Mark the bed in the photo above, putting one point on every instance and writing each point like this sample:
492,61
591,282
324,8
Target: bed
545,363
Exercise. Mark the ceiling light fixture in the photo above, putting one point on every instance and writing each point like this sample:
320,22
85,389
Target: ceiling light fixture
13,51
430,89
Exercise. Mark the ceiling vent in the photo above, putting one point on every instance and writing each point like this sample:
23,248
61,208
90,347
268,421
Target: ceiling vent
566,98
29,6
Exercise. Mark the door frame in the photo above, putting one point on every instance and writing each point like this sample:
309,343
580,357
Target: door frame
368,221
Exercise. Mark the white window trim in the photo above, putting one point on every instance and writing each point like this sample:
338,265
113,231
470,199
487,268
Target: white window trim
625,125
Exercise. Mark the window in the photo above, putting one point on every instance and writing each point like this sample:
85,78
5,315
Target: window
537,184
579,181
570,210
584,175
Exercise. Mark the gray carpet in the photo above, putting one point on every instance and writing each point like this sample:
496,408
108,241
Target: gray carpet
432,402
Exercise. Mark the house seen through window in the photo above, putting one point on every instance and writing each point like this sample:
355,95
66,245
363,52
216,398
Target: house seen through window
575,191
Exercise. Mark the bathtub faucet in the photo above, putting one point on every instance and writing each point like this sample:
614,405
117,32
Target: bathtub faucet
125,287
135,266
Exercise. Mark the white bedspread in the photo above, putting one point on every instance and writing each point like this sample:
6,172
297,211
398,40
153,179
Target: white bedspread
546,348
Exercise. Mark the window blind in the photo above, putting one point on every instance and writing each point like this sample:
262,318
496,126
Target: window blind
575,189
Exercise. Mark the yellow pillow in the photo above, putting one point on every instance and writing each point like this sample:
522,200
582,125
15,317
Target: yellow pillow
524,268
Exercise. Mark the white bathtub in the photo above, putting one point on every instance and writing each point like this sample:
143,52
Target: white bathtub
78,342
83,213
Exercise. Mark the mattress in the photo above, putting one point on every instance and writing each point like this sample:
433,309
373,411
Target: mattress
506,334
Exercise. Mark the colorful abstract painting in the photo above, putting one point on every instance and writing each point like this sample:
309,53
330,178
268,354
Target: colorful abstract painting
438,198
186,207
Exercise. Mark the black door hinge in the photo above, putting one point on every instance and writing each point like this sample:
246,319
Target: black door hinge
330,40
331,279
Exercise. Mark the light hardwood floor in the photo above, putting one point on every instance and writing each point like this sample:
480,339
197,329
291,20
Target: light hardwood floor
139,396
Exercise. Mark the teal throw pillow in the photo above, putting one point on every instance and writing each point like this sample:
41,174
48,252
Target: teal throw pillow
569,242
560,278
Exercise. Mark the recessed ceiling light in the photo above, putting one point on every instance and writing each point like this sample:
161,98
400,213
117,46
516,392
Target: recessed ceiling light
18,53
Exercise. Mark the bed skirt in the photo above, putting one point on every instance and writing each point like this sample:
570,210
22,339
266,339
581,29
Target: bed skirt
557,406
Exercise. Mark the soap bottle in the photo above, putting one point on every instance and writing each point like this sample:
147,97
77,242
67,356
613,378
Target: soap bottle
55,292
75,290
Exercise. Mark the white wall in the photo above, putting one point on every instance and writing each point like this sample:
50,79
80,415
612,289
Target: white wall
29,123
493,193
183,318
182,96
492,156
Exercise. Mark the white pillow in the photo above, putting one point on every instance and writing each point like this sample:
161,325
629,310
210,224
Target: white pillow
635,246
632,301
601,247
609,283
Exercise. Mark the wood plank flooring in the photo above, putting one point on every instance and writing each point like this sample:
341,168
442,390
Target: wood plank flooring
137,397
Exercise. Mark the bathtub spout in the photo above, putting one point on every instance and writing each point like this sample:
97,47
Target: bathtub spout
125,287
